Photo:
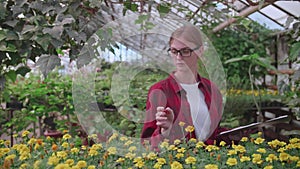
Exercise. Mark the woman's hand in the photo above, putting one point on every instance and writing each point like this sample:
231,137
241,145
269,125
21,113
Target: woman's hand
164,118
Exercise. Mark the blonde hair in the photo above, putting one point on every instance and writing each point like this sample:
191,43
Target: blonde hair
188,33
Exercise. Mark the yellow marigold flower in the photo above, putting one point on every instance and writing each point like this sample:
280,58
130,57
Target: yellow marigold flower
244,139
176,165
70,162
179,155
62,154
231,152
259,140
245,158
123,138
120,160
181,123
172,147
74,150
132,149
24,166
294,158
275,143
211,147
25,133
211,166
151,156
112,137
261,150
157,166
190,160
83,147
139,162
128,143
222,143
200,144
7,142
298,164
177,141
93,152
112,150
91,167
53,160
189,129
93,136
181,150
15,135
231,161
65,145
259,133
193,140
67,136
31,141
256,159
271,158
81,164
130,155
239,148
25,156
37,164
161,161
97,146
281,150
268,167
294,140
10,157
62,166
164,144
284,156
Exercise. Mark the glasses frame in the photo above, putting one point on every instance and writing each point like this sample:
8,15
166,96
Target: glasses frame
180,51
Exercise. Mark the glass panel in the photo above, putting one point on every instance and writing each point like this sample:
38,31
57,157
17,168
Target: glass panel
292,7
263,20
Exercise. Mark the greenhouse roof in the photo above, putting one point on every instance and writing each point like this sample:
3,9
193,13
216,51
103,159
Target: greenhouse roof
273,14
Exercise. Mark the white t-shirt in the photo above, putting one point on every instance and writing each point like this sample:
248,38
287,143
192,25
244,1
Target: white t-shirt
199,110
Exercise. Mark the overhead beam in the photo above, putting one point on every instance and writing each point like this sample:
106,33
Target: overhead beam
244,13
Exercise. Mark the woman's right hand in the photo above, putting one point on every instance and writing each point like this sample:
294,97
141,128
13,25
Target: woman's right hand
164,118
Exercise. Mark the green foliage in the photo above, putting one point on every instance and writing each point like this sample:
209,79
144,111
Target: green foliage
250,39
39,98
31,29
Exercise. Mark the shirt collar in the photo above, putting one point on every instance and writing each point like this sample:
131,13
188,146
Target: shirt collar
178,87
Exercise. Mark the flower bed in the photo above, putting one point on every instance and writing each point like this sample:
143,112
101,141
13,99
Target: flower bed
252,152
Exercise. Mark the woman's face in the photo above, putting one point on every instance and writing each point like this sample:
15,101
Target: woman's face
184,64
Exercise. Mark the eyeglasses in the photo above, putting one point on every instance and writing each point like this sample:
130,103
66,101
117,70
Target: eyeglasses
185,52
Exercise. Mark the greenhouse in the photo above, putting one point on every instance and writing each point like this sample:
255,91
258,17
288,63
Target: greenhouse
150,84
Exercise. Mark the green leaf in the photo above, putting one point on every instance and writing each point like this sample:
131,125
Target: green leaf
163,8
23,70
43,40
243,58
55,32
47,63
295,51
28,29
11,75
2,34
7,47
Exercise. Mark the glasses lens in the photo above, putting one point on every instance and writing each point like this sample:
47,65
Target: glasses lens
185,52
173,52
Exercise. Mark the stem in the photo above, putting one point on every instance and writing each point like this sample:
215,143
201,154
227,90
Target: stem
260,116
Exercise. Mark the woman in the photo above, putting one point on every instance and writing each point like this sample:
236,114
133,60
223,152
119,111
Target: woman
184,98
